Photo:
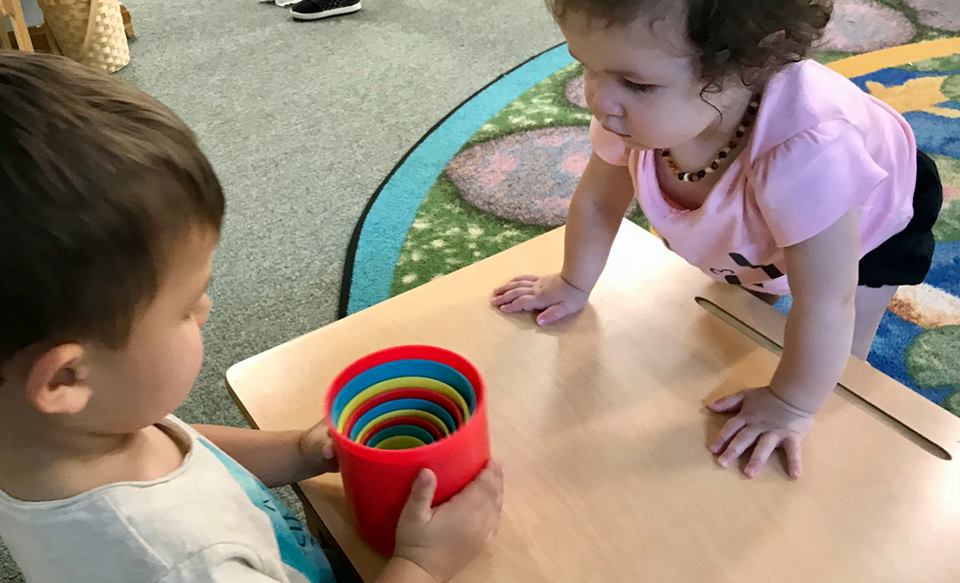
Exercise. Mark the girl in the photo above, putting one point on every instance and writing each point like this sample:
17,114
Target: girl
762,168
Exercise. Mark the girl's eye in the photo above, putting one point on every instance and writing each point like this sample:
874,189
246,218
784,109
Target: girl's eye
638,87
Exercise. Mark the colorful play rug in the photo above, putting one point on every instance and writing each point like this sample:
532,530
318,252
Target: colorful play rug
501,168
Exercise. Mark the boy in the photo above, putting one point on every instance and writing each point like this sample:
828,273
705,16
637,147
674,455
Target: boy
109,215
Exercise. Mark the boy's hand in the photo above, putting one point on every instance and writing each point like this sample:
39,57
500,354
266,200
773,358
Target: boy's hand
443,540
762,419
550,293
316,450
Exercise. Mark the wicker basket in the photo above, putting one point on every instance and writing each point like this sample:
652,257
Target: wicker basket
89,31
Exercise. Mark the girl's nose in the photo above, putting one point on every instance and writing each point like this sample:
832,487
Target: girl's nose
601,98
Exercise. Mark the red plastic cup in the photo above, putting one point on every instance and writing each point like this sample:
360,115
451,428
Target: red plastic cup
377,482
398,421
413,393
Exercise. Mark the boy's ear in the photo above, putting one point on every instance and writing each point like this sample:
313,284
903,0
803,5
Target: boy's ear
56,383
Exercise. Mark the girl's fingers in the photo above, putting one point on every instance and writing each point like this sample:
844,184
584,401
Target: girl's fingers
765,448
526,278
511,295
526,303
553,313
730,428
791,446
728,403
517,281
509,286
738,445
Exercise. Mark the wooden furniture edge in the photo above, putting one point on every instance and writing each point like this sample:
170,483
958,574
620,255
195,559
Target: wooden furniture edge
877,390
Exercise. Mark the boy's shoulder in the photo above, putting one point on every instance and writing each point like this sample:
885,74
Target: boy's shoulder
144,530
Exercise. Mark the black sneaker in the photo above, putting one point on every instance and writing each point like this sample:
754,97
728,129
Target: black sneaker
317,9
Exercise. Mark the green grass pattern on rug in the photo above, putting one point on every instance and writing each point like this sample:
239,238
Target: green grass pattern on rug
449,234
948,226
924,362
543,106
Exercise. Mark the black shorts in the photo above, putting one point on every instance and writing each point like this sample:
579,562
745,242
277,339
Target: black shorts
905,258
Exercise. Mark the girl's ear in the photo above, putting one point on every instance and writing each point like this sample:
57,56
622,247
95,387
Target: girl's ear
56,381
773,39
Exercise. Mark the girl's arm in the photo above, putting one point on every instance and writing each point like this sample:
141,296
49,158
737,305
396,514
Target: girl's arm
596,211
823,274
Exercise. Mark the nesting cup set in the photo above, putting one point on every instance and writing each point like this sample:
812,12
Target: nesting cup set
395,412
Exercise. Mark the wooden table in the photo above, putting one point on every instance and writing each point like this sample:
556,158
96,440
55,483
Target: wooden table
600,425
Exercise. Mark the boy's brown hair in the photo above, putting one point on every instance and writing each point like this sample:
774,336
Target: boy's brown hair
98,182
748,38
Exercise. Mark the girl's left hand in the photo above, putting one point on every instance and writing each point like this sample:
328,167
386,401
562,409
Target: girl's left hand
762,419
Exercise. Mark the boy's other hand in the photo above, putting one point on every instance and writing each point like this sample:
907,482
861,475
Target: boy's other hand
317,451
550,293
764,420
443,540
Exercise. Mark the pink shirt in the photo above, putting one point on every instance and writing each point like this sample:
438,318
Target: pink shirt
820,147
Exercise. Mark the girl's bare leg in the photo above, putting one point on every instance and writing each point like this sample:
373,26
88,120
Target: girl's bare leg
871,303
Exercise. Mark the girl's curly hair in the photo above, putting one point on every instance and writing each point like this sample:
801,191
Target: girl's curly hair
749,38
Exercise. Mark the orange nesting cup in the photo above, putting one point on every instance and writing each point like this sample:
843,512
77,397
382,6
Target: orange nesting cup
377,482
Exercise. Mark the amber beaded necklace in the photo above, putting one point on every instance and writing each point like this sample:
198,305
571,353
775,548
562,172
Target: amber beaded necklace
748,118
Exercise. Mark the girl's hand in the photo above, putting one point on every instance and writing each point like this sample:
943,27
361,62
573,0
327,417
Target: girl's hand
764,420
316,450
442,541
550,293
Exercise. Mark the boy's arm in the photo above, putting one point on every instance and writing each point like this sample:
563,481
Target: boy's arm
278,458
211,566
823,275
403,571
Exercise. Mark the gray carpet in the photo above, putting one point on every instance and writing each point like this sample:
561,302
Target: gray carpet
302,121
